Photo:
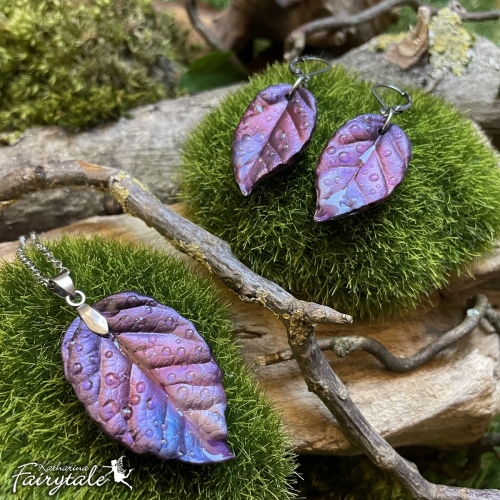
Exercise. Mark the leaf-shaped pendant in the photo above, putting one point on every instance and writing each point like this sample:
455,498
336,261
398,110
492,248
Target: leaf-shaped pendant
359,167
271,133
153,384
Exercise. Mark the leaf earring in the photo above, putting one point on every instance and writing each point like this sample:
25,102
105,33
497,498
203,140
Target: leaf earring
275,128
364,161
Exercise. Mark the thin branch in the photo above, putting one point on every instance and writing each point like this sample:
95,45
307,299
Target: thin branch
212,41
493,317
208,36
487,15
324,382
296,40
203,246
299,317
345,345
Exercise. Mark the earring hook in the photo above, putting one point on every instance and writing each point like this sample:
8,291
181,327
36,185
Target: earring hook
389,111
303,78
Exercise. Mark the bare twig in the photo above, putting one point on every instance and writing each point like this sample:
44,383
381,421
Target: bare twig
212,41
325,383
299,317
296,40
345,345
493,317
191,239
488,15
208,36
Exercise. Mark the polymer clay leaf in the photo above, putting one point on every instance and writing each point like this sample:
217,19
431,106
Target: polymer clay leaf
153,384
359,167
271,133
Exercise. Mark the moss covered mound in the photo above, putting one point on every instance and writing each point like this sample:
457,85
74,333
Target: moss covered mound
42,421
78,63
445,214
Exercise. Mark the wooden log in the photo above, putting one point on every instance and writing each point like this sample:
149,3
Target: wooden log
146,145
446,403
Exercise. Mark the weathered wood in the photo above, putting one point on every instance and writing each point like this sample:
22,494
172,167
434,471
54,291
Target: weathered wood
146,145
475,93
446,403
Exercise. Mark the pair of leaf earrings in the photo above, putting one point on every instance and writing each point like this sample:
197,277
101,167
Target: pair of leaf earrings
362,164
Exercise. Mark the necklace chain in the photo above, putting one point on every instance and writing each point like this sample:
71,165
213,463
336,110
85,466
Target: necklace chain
63,286
49,256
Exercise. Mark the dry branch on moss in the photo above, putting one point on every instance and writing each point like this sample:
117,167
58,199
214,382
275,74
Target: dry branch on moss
299,317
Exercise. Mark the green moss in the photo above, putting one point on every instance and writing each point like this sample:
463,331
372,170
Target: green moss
445,214
77,63
43,421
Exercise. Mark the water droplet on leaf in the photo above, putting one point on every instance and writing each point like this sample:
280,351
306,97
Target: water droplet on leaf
127,412
87,385
135,399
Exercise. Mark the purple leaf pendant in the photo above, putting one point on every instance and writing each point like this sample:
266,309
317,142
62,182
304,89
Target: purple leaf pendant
359,167
271,133
153,384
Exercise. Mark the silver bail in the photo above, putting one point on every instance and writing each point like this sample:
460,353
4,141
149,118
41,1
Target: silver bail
94,320
63,286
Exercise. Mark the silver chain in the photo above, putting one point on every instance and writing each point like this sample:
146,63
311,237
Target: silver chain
63,286
57,264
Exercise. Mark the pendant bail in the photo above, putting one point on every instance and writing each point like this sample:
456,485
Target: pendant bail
62,285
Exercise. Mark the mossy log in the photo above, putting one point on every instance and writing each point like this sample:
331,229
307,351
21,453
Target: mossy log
446,404
147,144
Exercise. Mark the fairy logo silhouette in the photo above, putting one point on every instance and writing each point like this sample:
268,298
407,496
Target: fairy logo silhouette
119,472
